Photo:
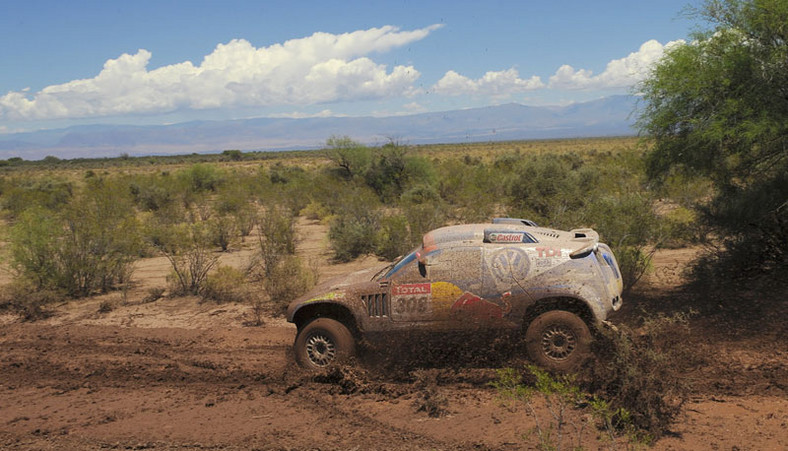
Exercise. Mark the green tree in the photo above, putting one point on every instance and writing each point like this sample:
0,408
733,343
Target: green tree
351,158
718,106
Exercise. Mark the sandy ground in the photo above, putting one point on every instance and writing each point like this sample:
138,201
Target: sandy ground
179,373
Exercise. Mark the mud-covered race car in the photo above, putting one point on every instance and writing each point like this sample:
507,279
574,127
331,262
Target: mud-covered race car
549,285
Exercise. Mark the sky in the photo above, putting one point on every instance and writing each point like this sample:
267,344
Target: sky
158,62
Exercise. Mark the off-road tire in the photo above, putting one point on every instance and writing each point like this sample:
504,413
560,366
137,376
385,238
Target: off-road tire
558,341
323,343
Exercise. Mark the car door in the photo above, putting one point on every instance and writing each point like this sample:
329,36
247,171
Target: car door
445,276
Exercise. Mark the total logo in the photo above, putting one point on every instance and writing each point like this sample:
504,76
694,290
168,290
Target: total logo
411,289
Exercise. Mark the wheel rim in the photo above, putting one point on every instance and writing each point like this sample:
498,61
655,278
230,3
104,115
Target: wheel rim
558,342
320,349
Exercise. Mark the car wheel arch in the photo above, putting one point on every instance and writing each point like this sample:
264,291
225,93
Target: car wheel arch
337,312
569,304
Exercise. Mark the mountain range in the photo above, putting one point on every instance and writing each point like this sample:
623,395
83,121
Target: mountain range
609,116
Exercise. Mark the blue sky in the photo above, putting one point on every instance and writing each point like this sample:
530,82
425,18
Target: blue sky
153,62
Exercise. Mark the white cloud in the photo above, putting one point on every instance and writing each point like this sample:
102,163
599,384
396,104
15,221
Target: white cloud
620,73
414,107
301,115
495,84
320,68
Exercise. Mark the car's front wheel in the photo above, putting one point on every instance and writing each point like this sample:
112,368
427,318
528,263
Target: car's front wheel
322,343
558,340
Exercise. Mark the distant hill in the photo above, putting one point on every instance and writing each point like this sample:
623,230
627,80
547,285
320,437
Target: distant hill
610,116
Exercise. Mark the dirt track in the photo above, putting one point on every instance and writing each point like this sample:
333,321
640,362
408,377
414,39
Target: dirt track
177,373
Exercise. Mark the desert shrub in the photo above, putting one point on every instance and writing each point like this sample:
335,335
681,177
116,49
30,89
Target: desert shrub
550,188
154,294
226,284
34,247
754,241
350,158
393,239
155,192
232,155
27,300
276,238
223,231
91,245
472,190
424,209
236,200
106,306
681,227
296,189
570,410
289,279
188,248
315,211
23,193
642,372
758,254
392,171
234,196
628,223
202,177
634,261
353,231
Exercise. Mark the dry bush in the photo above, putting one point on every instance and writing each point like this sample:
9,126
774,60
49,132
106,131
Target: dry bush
643,371
189,251
154,294
106,307
27,301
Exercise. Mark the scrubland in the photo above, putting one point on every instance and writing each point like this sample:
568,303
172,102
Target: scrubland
142,303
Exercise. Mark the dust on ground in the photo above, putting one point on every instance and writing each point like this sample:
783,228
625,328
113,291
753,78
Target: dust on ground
181,373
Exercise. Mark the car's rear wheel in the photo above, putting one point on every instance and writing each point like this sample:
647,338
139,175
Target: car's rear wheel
323,343
558,341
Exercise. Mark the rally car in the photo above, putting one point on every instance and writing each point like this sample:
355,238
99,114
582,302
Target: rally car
549,286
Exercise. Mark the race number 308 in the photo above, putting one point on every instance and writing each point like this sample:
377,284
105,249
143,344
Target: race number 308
411,305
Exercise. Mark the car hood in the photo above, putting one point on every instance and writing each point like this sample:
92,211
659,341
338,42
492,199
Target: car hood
329,289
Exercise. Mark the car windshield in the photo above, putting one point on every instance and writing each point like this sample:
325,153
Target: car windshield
397,265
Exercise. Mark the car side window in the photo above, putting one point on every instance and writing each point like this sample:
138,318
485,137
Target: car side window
409,273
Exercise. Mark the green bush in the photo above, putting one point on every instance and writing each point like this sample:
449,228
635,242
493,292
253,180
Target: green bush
546,186
393,239
155,192
567,406
353,232
23,193
224,231
627,222
90,246
202,177
424,209
289,279
276,238
472,190
226,284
